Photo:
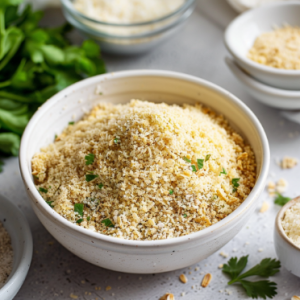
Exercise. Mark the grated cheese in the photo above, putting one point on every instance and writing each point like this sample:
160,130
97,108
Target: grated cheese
142,151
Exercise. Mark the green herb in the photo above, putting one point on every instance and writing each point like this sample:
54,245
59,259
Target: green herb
116,140
1,165
35,177
35,64
200,163
78,208
50,203
108,223
194,168
207,157
171,192
266,268
280,200
79,221
43,190
88,218
55,137
223,172
89,159
184,215
71,123
90,177
187,160
235,184
100,186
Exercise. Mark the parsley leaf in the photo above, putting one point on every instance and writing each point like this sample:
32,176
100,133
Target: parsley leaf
267,267
90,177
71,123
184,215
88,218
100,186
280,200
171,192
116,140
89,159
1,165
207,157
187,160
42,190
78,207
235,183
108,223
223,172
194,168
50,203
79,221
200,163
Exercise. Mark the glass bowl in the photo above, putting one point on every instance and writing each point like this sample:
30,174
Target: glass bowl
129,38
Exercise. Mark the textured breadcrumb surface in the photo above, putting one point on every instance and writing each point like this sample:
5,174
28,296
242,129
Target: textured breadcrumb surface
158,172
278,49
291,223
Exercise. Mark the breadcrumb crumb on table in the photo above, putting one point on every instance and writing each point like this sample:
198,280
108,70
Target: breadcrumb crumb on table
288,162
146,171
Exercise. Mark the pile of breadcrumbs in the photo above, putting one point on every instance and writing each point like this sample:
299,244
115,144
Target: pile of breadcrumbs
279,48
145,171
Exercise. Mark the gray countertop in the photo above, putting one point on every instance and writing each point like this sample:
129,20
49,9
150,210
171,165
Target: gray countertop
198,50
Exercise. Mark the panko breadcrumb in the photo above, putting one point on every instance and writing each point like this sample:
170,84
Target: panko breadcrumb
291,224
146,171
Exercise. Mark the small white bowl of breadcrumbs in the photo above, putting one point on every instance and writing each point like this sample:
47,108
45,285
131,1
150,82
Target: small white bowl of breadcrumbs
144,171
265,42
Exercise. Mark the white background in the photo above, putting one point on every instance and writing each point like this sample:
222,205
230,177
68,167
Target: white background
198,50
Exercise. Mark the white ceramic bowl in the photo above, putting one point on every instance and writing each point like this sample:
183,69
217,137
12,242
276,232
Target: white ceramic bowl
287,252
268,95
242,32
20,234
157,86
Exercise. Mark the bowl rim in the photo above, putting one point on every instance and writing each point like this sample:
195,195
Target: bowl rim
247,61
278,220
17,278
249,201
68,5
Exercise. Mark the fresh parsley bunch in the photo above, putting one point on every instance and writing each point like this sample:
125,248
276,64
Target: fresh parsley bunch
254,289
35,63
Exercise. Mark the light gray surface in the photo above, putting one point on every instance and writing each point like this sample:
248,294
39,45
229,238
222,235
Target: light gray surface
197,50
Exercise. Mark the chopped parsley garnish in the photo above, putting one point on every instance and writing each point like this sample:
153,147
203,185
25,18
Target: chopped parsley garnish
55,137
223,172
187,160
108,223
200,163
71,123
42,190
254,289
207,157
50,203
89,159
88,218
100,186
78,207
79,221
194,168
235,183
116,140
184,215
1,165
280,200
35,177
90,177
171,192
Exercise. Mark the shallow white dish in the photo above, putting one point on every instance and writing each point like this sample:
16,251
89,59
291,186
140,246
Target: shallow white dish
287,252
242,32
279,98
19,231
157,86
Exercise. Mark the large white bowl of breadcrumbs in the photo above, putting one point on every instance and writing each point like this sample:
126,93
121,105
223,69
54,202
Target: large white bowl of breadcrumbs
144,171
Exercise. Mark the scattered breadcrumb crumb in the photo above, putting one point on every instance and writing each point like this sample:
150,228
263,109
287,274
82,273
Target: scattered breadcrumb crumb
220,266
264,207
167,296
182,294
225,255
183,278
108,288
288,162
260,250
295,298
206,280
279,187
73,296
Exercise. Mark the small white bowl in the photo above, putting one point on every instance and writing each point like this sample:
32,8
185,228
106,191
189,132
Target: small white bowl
17,226
158,86
242,32
279,98
287,252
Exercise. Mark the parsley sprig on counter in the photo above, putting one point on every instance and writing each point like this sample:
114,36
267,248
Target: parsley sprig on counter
281,200
254,289
35,64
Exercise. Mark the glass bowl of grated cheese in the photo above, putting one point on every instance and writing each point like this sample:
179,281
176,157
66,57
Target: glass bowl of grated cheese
127,26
